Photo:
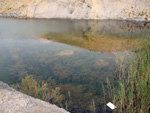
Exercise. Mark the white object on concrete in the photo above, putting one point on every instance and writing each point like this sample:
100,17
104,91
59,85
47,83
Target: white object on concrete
111,105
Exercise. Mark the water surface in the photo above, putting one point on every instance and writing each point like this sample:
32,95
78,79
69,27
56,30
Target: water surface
78,55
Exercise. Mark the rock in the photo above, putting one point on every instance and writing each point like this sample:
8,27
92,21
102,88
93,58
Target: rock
12,101
77,9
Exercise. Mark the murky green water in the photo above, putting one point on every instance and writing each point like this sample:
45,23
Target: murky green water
76,60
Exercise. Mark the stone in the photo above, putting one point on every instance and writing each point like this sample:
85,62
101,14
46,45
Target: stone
12,101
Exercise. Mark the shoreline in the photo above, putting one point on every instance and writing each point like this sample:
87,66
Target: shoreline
28,18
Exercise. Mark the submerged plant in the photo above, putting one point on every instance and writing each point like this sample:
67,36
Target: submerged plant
67,103
40,90
92,107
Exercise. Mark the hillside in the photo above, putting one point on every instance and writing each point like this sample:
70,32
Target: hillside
77,9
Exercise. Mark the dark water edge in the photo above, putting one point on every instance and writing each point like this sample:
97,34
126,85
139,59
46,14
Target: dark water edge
66,62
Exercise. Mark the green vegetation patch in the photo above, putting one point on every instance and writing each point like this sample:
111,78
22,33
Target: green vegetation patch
132,92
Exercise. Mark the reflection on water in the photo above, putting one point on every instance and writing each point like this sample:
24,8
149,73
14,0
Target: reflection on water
102,36
74,69
94,42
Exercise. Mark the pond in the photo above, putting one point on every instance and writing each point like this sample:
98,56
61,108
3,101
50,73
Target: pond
77,55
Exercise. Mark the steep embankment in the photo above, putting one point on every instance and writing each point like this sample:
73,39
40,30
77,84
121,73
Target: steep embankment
12,101
77,9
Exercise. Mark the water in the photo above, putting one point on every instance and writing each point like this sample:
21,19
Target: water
77,55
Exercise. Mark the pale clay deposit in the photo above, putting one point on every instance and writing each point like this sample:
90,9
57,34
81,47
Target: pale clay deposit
66,53
77,9
12,101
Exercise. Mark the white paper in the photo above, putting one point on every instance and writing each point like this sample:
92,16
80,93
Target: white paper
111,105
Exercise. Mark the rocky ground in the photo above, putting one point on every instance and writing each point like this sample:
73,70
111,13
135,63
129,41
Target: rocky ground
12,101
77,9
